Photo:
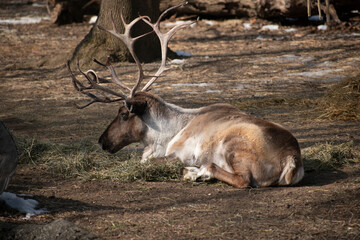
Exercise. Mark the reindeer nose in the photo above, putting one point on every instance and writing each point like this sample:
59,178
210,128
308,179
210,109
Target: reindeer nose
102,143
106,145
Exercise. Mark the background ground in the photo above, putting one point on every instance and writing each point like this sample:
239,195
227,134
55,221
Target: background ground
271,74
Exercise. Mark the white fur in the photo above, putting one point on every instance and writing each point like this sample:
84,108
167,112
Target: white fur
173,133
290,166
162,130
194,173
204,173
191,174
219,158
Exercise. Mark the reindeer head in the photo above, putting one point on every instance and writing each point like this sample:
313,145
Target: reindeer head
128,126
125,129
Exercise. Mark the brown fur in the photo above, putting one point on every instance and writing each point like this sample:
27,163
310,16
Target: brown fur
256,152
125,129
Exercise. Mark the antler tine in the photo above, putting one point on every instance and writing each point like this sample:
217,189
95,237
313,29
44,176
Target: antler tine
168,10
92,78
164,40
129,43
114,78
94,83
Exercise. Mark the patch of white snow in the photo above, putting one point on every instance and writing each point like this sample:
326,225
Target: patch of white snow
247,26
93,19
183,54
322,27
177,61
23,20
271,27
27,206
192,84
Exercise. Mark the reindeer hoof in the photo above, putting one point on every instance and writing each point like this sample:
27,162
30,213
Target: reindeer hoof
190,173
205,174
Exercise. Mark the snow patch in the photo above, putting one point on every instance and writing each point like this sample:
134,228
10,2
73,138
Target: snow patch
326,64
349,35
319,73
192,84
183,54
23,20
173,24
210,23
287,58
271,27
38,4
312,74
93,19
177,61
315,18
212,91
26,206
242,86
322,27
247,26
290,30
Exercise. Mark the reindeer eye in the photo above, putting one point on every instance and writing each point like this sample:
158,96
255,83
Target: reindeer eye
124,115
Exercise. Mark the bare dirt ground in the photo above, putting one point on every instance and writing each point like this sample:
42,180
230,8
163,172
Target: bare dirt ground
230,64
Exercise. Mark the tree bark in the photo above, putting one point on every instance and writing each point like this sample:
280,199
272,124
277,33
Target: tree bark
101,45
213,8
280,9
66,11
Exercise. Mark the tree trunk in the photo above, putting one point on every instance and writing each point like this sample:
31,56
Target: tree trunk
213,8
66,11
280,9
101,45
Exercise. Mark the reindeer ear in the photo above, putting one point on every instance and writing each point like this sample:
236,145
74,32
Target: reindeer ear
137,107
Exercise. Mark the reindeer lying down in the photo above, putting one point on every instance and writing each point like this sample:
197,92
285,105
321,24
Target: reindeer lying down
216,141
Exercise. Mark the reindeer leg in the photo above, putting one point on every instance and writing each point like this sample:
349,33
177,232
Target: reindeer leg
237,155
190,173
146,154
207,172
237,179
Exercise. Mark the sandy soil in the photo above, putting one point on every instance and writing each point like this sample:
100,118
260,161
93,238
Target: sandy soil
229,64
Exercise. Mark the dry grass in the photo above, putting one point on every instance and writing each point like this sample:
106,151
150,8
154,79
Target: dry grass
86,160
342,101
266,102
329,156
132,169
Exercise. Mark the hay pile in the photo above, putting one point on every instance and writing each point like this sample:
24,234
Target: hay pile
341,101
329,156
86,160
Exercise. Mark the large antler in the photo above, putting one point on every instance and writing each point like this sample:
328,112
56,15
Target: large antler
93,83
129,43
94,80
164,40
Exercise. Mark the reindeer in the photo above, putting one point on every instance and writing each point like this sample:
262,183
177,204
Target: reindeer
216,141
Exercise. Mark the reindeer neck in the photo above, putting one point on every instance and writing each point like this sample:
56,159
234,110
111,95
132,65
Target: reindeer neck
168,117
163,120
